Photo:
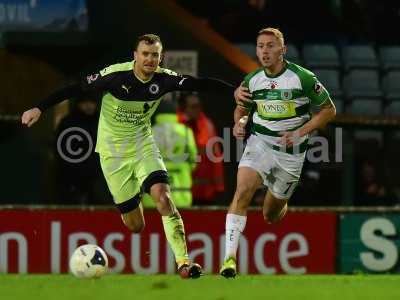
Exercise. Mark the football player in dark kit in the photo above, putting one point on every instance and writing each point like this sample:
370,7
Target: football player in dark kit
130,160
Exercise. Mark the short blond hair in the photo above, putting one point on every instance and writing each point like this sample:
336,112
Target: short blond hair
272,31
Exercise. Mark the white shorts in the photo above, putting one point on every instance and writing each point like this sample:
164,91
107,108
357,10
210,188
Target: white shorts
279,171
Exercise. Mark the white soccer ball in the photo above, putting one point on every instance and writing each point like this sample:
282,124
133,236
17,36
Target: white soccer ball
88,261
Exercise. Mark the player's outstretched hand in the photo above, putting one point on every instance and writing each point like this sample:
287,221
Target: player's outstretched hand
31,116
242,94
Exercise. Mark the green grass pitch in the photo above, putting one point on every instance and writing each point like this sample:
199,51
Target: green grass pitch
209,287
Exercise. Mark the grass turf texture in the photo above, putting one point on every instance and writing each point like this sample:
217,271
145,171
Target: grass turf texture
165,287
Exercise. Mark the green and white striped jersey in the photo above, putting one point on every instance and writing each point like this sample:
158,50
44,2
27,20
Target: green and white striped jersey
283,101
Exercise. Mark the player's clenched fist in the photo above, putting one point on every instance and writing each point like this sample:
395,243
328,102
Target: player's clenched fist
239,129
31,116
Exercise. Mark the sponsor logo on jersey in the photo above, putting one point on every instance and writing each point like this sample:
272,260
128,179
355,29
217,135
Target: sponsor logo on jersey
272,84
276,109
154,88
92,78
318,88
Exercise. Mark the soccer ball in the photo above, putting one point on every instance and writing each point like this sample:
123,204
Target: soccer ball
88,261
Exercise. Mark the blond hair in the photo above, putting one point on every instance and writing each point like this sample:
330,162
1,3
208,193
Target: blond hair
272,31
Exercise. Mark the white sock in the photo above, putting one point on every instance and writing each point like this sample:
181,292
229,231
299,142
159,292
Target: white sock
234,226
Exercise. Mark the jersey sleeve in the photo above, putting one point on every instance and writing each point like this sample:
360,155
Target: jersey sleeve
88,85
96,82
314,90
69,91
177,82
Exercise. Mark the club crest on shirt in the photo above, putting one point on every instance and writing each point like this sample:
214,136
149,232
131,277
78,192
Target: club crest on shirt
286,95
154,88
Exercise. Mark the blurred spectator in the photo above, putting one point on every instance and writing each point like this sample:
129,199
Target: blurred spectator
371,187
208,177
178,149
77,179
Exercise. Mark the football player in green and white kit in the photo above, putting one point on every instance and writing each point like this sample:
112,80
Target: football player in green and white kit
281,94
130,159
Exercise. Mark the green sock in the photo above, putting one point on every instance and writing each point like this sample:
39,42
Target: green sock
175,233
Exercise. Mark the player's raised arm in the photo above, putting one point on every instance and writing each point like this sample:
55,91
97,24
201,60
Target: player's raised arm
190,83
91,83
32,115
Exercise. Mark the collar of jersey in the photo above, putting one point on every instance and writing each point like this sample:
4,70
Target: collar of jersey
140,79
280,73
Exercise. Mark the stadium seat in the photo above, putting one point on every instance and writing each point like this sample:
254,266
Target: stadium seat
391,85
363,134
390,58
292,54
364,107
249,49
320,56
392,142
362,84
359,57
392,109
331,80
339,104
